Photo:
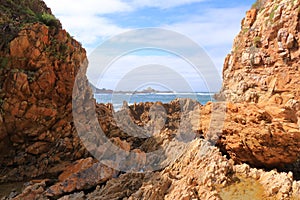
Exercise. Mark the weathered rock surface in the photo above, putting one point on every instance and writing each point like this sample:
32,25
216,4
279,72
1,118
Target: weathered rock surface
260,135
263,68
33,191
82,175
39,62
200,171
263,64
195,174
253,133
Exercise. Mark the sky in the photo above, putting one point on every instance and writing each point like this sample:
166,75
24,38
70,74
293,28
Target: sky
211,24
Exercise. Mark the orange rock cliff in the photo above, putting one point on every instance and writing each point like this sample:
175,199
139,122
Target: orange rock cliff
39,62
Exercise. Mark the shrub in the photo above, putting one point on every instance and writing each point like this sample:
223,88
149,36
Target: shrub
3,62
273,12
48,19
257,5
257,41
245,30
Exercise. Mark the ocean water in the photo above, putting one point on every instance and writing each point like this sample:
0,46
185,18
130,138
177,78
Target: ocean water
118,99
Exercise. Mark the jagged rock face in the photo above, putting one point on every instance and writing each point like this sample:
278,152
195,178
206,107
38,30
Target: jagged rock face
264,63
263,68
37,73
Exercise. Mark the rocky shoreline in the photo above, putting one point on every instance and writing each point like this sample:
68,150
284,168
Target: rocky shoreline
200,170
247,146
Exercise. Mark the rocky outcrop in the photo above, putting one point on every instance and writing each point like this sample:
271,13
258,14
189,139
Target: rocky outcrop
199,170
263,69
263,64
38,68
196,174
260,135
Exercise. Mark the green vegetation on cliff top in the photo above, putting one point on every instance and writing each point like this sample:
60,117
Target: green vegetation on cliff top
14,14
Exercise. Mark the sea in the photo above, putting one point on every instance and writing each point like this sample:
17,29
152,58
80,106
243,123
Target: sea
117,99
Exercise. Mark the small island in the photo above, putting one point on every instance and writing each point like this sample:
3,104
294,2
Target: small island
148,90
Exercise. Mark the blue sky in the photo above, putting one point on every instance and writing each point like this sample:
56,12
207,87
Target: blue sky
211,24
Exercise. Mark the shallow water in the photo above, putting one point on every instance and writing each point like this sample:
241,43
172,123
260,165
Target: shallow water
244,189
7,188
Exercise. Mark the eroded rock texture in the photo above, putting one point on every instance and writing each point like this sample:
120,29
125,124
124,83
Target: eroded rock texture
256,134
39,62
263,64
263,69
195,168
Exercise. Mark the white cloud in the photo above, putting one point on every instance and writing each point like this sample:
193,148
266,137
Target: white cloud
213,27
87,7
82,19
126,73
163,4
88,29
85,20
214,30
